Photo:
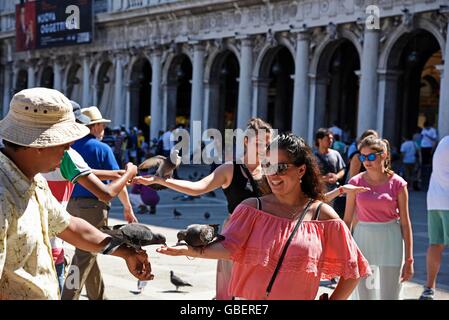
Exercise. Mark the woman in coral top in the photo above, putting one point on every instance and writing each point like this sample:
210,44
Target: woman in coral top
259,228
384,224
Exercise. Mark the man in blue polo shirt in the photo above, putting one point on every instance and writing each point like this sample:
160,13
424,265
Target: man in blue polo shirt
86,205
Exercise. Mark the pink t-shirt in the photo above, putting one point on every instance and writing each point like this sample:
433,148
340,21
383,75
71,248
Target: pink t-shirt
319,250
381,203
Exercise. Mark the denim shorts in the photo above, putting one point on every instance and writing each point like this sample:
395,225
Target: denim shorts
438,226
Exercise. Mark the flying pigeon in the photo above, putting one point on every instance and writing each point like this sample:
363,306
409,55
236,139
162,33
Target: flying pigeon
176,213
200,235
134,235
165,166
206,215
177,281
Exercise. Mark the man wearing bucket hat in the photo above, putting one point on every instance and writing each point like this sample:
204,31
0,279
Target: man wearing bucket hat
38,128
85,205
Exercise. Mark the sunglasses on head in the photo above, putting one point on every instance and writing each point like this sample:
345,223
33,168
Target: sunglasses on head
369,157
275,169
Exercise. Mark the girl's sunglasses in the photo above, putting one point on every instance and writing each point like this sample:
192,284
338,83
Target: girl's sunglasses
276,169
369,157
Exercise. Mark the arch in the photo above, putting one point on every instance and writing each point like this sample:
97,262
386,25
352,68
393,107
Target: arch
214,54
178,86
105,80
336,85
21,80
327,41
223,91
74,78
281,41
398,33
47,77
140,93
404,109
275,87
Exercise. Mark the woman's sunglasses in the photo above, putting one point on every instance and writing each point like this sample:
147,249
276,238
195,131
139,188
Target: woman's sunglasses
369,157
276,169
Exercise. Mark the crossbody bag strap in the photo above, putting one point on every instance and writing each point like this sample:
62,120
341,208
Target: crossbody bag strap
284,250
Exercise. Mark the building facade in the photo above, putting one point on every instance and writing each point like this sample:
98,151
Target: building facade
300,65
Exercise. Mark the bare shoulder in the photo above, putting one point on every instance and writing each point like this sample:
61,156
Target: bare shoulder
250,202
226,168
226,172
327,212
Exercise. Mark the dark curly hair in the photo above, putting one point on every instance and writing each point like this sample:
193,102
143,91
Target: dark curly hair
300,153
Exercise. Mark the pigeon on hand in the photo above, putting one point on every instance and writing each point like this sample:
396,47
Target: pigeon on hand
176,213
200,235
165,166
177,281
134,235
206,215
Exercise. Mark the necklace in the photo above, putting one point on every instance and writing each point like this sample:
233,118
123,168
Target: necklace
302,207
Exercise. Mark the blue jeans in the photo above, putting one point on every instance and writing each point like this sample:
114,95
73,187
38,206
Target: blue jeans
60,275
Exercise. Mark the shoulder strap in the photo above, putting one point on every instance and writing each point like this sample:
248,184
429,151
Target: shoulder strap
284,250
259,204
317,212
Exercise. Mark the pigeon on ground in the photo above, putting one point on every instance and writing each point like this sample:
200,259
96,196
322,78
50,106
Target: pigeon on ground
134,235
176,213
177,281
200,235
165,166
206,215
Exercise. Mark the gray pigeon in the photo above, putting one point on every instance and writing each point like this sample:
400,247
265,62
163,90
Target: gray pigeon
134,235
165,166
200,235
177,281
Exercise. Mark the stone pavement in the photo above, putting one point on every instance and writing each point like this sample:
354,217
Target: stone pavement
201,272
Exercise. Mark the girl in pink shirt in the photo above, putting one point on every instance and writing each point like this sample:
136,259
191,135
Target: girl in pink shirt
383,222
259,228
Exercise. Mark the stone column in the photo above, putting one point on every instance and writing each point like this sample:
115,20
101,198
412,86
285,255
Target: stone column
127,105
368,82
388,88
261,109
7,88
86,82
156,101
197,92
119,108
197,84
443,117
58,79
301,86
245,83
31,75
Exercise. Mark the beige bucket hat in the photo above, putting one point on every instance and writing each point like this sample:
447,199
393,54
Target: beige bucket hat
95,115
41,118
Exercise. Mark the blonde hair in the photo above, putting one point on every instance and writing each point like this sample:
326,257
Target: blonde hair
378,145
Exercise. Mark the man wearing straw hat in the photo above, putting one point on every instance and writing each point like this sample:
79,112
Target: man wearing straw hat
38,128
85,205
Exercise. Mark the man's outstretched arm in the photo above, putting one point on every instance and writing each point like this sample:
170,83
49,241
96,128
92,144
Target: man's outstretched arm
86,237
